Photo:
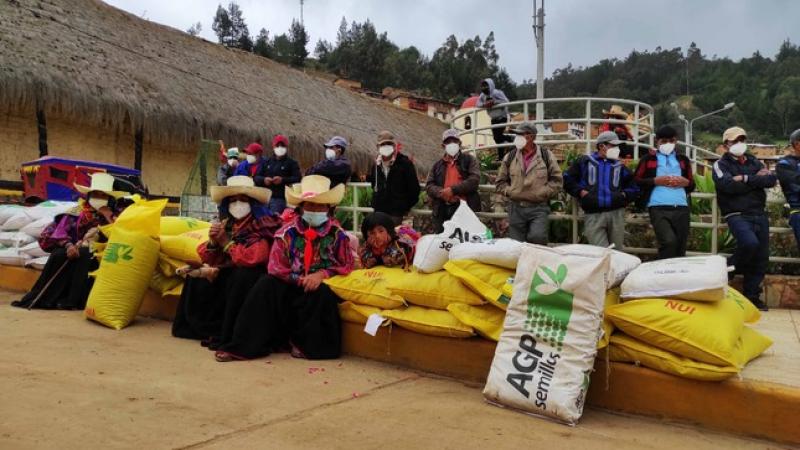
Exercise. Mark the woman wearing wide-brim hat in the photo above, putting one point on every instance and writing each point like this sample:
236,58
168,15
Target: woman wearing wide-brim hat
236,251
290,309
64,282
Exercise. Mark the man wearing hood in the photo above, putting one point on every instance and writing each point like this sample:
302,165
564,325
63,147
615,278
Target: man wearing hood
489,98
395,185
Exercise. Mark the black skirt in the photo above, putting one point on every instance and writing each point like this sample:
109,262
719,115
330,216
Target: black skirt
277,314
208,310
69,288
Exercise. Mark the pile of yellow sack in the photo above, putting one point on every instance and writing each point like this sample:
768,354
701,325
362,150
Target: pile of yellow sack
180,237
697,330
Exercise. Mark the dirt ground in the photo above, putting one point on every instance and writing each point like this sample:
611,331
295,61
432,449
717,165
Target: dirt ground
68,383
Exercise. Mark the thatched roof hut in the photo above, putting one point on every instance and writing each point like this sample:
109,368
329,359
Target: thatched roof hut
89,67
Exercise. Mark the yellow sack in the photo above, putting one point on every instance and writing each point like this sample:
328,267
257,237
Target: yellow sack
703,331
434,290
173,225
127,265
167,265
485,279
176,291
428,321
612,298
487,320
368,287
751,313
163,284
351,312
183,247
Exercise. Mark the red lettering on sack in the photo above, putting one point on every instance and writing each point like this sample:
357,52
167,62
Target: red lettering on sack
680,307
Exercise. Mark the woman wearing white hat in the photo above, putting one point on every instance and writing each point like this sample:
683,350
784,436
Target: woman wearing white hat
237,251
291,309
64,282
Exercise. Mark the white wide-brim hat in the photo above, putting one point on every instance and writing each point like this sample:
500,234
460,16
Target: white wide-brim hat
101,182
315,189
240,184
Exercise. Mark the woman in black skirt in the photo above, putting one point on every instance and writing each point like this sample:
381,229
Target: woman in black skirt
290,308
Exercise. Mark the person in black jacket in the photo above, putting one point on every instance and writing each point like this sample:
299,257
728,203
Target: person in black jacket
453,178
741,179
665,180
277,172
788,171
395,185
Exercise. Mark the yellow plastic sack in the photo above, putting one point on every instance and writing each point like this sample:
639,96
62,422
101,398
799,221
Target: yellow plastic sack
703,331
434,290
127,265
173,226
428,321
487,320
168,265
751,313
352,312
163,284
612,298
368,287
183,247
485,279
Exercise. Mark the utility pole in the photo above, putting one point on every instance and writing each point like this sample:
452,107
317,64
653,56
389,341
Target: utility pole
301,13
538,32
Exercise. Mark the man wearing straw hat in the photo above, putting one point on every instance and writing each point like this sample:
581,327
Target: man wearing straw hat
290,308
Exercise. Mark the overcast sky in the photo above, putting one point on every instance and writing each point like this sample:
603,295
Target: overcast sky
580,32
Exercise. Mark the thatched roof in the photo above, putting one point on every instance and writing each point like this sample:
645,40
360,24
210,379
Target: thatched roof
90,62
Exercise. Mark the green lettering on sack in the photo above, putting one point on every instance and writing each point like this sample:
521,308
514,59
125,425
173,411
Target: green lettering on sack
116,251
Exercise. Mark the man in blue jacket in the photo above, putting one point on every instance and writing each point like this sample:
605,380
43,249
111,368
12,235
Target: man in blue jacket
788,171
335,166
741,181
603,186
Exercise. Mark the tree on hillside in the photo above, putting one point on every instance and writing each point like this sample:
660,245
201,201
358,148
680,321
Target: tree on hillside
322,51
787,103
298,38
230,27
195,29
262,45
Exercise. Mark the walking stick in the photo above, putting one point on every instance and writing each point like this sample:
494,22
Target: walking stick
50,281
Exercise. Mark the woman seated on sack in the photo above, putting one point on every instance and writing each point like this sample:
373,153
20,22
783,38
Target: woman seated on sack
290,309
384,245
64,282
236,252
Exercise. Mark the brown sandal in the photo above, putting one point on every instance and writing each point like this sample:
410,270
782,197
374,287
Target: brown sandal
223,356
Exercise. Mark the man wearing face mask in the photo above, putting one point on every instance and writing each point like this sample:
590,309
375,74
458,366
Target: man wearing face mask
788,171
395,185
228,169
666,181
603,186
528,178
279,171
453,178
741,181
254,162
489,98
336,167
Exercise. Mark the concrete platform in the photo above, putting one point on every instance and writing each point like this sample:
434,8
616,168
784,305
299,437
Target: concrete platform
69,383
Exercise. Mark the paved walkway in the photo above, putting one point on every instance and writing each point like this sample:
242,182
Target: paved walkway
69,383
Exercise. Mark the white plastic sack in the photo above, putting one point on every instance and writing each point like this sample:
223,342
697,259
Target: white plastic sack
697,278
497,252
17,221
432,251
15,238
35,228
37,263
6,211
33,250
546,352
621,263
49,209
12,257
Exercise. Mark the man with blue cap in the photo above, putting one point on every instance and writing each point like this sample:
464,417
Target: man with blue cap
335,166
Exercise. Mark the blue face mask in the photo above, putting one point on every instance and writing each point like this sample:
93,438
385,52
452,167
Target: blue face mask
315,219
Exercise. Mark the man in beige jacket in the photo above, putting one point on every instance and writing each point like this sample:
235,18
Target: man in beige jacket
528,178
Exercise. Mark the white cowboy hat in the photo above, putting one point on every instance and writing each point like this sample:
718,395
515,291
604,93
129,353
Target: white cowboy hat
240,184
315,189
101,182
616,111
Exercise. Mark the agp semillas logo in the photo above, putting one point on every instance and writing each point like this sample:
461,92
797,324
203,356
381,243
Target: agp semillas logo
116,252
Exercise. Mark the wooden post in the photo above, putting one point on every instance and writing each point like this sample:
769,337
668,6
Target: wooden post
137,148
41,123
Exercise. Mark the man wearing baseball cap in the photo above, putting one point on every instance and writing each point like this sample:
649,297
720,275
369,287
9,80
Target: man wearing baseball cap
603,186
528,178
335,166
741,181
453,178
254,161
279,171
394,180
788,171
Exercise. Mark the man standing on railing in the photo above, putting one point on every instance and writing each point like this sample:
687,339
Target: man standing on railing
395,185
603,186
788,171
453,178
741,181
528,178
336,167
489,98
666,180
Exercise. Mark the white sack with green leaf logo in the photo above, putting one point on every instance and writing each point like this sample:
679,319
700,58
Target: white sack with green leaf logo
546,351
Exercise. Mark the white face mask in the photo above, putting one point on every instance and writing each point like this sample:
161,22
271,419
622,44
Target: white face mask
233,162
520,142
98,203
239,209
612,153
386,150
330,153
738,149
279,151
452,148
666,149
251,159
314,218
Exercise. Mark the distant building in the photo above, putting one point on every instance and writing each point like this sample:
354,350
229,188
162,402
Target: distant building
438,109
353,85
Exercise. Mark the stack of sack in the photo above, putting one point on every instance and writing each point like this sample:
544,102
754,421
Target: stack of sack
20,228
179,239
680,317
